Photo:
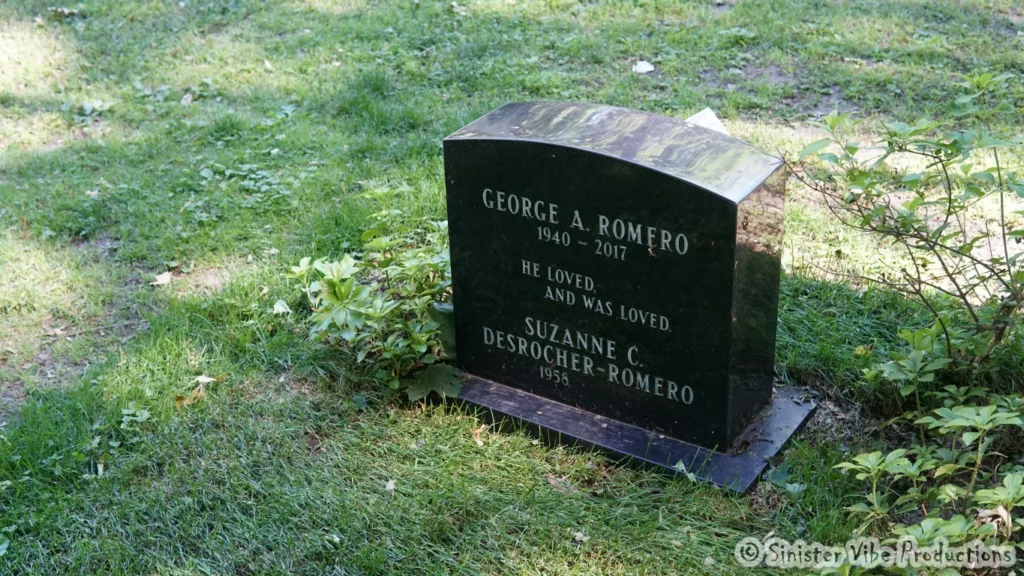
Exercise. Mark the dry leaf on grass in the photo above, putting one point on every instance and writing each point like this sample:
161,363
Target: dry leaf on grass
476,435
559,484
183,400
998,516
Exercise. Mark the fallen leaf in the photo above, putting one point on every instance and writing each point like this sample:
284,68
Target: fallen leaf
390,486
559,484
281,307
183,400
998,516
643,67
162,279
476,435
268,65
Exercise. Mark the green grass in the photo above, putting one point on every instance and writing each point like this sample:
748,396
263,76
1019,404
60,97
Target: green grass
111,125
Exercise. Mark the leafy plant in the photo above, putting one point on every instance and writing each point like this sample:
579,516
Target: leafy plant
874,467
938,479
388,304
927,193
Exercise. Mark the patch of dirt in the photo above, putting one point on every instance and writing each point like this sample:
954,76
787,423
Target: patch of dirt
204,282
102,246
55,348
301,387
61,141
209,280
11,396
315,444
712,79
820,105
765,499
837,420
771,75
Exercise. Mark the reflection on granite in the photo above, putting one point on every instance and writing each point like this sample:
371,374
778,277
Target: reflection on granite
703,157
755,299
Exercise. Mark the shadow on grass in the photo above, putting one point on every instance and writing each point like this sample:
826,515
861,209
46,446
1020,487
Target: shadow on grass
829,333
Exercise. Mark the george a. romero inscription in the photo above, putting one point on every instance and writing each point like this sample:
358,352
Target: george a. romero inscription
617,261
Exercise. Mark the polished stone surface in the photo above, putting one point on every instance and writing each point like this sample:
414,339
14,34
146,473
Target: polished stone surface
619,262
560,424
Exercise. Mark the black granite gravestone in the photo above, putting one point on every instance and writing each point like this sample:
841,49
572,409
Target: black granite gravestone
616,278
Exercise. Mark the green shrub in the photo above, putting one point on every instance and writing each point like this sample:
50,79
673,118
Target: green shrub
388,304
938,193
957,476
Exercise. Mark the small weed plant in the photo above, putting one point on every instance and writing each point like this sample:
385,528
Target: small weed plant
388,304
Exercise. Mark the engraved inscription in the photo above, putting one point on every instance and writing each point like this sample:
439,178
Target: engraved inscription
562,351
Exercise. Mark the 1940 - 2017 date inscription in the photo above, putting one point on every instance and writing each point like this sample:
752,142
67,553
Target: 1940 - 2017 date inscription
650,238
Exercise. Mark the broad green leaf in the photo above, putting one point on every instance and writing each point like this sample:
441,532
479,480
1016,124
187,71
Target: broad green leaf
780,476
937,363
814,147
984,177
440,378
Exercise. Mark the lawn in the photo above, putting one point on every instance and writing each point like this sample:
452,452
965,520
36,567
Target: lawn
224,140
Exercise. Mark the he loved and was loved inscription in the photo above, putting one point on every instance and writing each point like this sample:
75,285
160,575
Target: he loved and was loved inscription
622,263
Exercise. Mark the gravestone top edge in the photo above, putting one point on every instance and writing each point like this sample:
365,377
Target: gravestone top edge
716,162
